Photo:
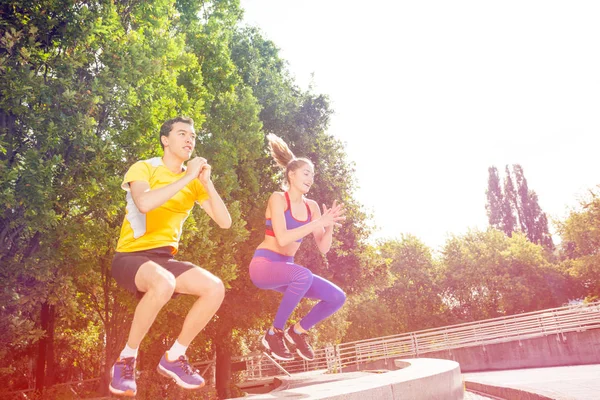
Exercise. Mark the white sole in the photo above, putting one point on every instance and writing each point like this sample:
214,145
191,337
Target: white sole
164,372
303,357
118,392
288,337
275,356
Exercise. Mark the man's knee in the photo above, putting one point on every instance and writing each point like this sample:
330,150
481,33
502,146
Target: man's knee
163,288
216,289
155,281
202,284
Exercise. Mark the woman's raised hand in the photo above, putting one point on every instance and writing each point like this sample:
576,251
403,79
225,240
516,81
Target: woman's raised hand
334,215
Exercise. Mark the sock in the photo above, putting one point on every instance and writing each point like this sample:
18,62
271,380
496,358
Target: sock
297,331
272,330
176,351
128,352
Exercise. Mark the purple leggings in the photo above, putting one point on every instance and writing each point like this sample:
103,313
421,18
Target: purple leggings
270,270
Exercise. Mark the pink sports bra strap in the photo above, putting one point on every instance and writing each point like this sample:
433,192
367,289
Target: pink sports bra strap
289,206
287,200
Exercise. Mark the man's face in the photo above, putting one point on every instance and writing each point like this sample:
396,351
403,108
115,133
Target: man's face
181,140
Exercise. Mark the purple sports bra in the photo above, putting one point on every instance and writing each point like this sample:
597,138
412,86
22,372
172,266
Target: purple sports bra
290,221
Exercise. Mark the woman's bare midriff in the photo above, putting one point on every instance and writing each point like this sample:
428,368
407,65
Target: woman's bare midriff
270,243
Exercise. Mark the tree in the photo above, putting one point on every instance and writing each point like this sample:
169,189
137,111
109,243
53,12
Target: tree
301,119
533,221
520,205
79,102
232,140
487,275
509,205
495,200
580,234
411,301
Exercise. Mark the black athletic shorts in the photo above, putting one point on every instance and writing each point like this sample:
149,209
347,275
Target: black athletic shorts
126,265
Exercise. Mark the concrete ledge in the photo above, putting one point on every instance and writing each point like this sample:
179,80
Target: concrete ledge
505,392
423,379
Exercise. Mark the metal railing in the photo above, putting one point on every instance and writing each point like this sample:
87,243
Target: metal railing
260,366
556,321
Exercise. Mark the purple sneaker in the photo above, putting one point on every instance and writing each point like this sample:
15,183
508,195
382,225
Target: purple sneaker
181,372
123,377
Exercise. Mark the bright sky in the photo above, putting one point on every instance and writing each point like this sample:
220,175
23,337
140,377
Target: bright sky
429,94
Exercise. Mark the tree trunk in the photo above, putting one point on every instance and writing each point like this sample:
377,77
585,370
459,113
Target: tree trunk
112,315
40,371
50,360
223,371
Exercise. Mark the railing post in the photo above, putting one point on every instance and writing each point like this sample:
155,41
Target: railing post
561,336
415,341
338,356
330,358
446,341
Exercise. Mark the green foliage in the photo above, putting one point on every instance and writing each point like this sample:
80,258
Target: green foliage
580,234
411,300
368,317
80,101
487,275
84,88
509,205
502,207
533,221
494,199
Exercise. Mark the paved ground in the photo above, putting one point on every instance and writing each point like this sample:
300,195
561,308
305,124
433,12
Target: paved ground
560,383
423,379
578,382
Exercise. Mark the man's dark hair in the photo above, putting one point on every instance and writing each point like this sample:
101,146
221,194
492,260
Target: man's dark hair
168,125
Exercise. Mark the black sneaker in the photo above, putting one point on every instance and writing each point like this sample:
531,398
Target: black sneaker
303,348
276,345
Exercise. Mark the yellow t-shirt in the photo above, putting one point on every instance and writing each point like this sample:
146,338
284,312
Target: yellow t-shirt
161,226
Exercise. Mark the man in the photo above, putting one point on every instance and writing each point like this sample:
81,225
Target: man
161,192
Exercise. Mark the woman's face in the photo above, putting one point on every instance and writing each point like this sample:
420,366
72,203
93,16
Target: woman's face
302,178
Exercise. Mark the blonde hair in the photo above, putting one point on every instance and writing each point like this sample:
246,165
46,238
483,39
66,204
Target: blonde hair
284,157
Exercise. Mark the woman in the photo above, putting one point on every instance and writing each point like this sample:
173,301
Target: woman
291,217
